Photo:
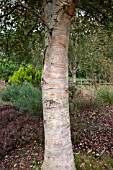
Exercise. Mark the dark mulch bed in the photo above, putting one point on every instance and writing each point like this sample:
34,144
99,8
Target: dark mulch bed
22,144
91,133
23,158
95,132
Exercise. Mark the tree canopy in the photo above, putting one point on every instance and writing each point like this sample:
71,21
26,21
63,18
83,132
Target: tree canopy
22,27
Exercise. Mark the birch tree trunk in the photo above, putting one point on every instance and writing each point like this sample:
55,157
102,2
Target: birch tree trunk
58,147
73,72
74,77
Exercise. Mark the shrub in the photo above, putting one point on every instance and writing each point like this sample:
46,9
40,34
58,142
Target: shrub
7,68
11,93
4,104
24,97
80,103
26,73
105,95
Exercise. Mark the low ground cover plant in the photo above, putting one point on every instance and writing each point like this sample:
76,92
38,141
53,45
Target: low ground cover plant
18,129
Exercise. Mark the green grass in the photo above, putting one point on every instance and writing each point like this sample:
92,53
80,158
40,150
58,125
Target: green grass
89,162
80,79
105,95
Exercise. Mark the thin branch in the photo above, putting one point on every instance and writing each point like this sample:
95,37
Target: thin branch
10,12
89,12
31,30
93,7
28,8
37,13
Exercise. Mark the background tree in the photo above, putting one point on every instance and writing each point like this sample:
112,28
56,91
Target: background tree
88,42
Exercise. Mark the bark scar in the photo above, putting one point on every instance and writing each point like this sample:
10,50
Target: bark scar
43,81
50,103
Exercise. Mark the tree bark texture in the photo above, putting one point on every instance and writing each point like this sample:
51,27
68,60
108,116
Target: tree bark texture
58,147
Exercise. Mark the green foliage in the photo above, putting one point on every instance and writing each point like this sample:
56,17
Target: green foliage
105,95
24,97
26,73
91,55
7,68
35,164
4,104
10,94
89,162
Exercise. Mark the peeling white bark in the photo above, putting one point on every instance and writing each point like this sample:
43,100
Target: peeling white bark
58,148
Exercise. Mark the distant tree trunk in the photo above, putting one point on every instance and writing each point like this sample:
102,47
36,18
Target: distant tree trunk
58,147
73,59
74,77
73,72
